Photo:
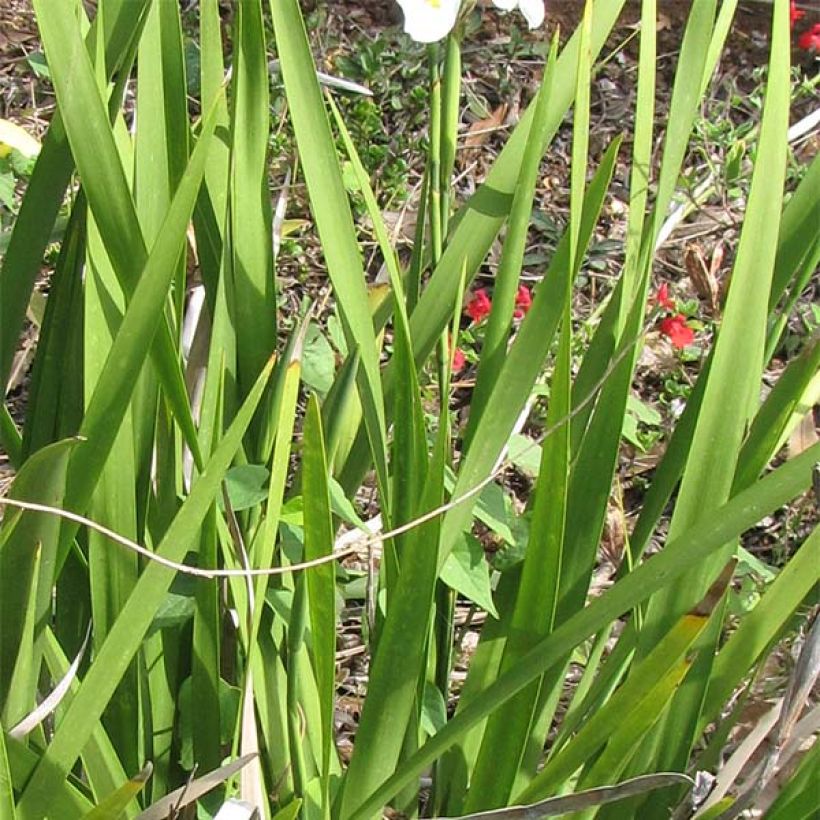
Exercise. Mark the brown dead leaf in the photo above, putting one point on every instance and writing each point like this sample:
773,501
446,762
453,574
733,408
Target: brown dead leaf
613,538
401,224
803,436
703,276
479,132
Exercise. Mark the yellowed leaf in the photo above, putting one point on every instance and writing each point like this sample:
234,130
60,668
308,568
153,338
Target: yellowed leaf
13,137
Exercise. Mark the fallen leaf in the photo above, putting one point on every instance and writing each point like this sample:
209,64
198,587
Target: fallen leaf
479,132
803,436
703,276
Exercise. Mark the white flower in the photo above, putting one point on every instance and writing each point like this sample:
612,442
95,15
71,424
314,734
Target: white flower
533,10
428,21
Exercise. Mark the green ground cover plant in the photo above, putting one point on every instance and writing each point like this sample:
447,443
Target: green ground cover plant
198,442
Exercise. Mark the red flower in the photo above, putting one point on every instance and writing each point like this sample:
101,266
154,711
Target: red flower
662,297
795,13
479,306
679,333
458,360
523,302
810,40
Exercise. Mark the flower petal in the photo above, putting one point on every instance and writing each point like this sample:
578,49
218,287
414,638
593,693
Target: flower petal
428,21
533,11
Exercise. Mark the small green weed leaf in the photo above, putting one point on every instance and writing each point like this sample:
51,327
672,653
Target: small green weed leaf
493,510
37,63
341,505
7,183
318,361
175,610
466,570
293,512
433,709
245,485
639,414
289,812
525,454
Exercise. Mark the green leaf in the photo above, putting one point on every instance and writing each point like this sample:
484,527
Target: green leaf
6,785
321,582
318,361
466,571
188,713
252,285
433,709
246,486
525,453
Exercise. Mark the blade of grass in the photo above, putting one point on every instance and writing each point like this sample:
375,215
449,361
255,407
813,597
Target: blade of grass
251,261
55,388
497,332
321,583
766,432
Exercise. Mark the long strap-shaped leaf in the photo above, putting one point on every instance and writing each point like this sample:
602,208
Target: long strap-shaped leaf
732,390
644,679
46,189
127,633
92,145
333,218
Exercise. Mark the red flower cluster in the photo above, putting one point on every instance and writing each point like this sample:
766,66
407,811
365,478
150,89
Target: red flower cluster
674,327
478,308
459,360
523,302
663,299
810,40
